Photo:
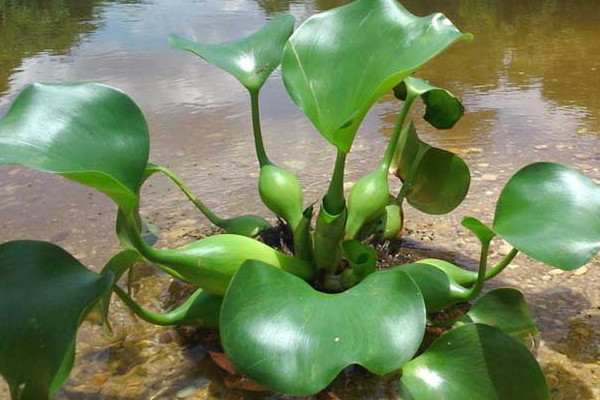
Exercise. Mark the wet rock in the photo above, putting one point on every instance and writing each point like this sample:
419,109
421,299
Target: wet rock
348,185
60,236
504,249
541,147
552,380
186,223
187,392
489,177
243,383
556,290
580,271
223,362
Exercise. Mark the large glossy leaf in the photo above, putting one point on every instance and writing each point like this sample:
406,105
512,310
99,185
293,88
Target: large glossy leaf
551,213
293,339
250,60
44,294
338,63
90,133
438,180
474,362
442,108
506,309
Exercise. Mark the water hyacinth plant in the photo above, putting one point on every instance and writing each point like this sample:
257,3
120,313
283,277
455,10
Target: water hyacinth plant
323,306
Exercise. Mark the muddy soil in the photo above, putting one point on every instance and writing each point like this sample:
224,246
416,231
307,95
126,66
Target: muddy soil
141,361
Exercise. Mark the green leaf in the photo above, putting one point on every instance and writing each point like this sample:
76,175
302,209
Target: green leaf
44,295
362,259
303,238
505,308
392,222
291,338
90,133
250,60
388,225
123,236
211,263
551,213
438,180
479,229
329,232
474,362
461,276
248,225
117,266
148,231
442,109
439,290
201,309
338,63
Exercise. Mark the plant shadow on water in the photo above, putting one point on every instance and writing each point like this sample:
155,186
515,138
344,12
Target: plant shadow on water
569,354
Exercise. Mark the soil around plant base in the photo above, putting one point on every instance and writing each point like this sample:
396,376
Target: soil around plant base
144,361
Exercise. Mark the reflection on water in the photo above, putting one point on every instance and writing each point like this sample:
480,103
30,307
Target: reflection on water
29,27
539,58
531,72
530,82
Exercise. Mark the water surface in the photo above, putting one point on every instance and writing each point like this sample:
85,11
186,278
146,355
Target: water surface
530,82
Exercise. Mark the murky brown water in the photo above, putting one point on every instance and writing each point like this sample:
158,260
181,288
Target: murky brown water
530,83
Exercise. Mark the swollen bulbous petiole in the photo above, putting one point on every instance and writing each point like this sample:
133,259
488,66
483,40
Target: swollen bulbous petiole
367,201
281,192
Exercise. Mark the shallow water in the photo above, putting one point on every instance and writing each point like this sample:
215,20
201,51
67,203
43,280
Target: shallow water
530,82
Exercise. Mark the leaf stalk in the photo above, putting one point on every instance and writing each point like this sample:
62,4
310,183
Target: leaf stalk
386,162
505,262
177,316
334,201
481,276
212,217
261,154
